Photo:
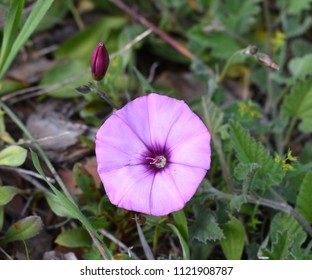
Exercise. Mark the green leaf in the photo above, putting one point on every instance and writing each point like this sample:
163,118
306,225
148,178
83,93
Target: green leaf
58,207
284,222
143,81
81,45
205,227
247,173
183,242
72,238
234,241
294,7
23,229
74,71
242,14
213,116
181,223
300,67
237,202
70,204
36,15
7,194
84,181
248,151
280,248
304,198
11,27
298,104
13,156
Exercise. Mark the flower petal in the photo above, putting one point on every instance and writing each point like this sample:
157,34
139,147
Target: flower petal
129,187
136,115
195,152
117,145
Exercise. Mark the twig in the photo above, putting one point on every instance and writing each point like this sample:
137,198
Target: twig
26,172
119,243
281,206
146,248
132,42
6,254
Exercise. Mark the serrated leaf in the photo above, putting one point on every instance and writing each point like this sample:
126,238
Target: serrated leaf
72,238
237,202
299,103
234,241
304,198
58,207
297,253
242,14
213,116
205,227
248,151
13,156
7,194
23,229
284,222
280,248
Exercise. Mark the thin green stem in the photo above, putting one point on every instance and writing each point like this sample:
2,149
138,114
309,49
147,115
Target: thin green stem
289,131
227,65
76,15
280,206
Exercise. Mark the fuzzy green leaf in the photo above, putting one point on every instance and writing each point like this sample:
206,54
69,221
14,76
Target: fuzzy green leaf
72,238
7,194
13,156
23,229
205,227
304,198
213,116
299,103
243,14
248,151
284,222
234,241
294,7
280,248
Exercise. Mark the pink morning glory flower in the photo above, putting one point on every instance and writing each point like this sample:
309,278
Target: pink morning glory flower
152,155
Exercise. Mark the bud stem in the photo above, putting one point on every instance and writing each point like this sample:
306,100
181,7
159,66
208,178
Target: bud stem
103,95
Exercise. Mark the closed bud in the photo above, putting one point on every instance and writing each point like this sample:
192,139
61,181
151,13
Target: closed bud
100,62
267,61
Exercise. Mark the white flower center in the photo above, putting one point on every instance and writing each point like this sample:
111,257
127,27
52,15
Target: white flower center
158,161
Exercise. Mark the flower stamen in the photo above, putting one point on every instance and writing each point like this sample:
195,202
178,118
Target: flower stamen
158,161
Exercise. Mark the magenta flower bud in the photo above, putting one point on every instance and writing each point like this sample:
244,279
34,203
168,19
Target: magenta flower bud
100,62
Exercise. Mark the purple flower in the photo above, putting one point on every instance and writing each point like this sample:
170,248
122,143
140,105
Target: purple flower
152,155
99,62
